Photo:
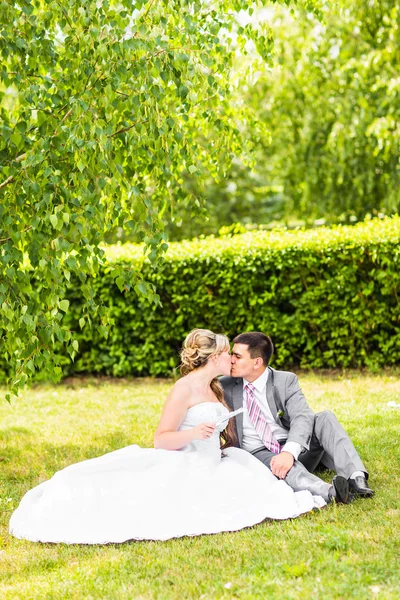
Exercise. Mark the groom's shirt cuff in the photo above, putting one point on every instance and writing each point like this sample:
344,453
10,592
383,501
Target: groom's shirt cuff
294,448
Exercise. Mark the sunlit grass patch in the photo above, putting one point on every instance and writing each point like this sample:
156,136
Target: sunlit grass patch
339,552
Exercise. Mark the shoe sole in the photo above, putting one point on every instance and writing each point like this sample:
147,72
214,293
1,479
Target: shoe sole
362,494
341,486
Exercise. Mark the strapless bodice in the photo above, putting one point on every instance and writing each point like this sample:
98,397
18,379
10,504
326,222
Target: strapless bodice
205,412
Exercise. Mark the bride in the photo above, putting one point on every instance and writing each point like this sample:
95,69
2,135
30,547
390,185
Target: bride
185,485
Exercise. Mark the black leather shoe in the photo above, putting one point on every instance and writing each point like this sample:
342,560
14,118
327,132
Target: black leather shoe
341,491
359,486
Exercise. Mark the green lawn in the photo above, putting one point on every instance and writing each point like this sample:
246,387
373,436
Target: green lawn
339,552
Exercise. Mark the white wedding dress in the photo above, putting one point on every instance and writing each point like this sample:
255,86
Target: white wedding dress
147,494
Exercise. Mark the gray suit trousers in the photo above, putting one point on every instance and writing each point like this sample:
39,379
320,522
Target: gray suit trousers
331,446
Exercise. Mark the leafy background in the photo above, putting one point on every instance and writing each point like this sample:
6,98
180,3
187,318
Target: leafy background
328,297
152,121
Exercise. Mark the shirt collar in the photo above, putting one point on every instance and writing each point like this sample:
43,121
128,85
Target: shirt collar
260,382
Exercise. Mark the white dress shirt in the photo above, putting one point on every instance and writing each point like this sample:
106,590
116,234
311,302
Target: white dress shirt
251,439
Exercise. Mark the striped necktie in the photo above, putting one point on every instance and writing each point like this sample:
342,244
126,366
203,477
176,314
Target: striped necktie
259,420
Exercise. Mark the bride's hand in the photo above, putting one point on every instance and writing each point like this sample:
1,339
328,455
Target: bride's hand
203,431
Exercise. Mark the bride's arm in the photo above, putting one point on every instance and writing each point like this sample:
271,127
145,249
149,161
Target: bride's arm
167,435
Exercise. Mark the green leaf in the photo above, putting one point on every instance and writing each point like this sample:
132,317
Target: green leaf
142,287
103,331
16,138
54,220
64,305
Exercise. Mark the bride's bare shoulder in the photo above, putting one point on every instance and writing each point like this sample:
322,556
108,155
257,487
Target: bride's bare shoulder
180,393
183,385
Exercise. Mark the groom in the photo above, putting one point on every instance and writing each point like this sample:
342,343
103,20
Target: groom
280,429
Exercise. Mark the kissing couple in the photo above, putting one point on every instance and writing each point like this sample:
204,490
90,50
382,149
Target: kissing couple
228,454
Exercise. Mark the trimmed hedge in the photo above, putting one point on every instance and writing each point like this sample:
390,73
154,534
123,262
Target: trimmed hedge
328,298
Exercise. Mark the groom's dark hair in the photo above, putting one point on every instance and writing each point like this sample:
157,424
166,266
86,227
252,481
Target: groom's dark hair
258,343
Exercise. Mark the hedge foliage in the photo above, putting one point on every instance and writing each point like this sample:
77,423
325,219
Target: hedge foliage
328,298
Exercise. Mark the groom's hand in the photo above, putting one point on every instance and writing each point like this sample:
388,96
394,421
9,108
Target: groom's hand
281,464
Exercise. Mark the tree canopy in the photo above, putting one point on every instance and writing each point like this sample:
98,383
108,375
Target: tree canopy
328,103
332,106
105,108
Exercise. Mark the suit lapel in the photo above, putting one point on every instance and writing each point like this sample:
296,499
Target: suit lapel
237,399
270,397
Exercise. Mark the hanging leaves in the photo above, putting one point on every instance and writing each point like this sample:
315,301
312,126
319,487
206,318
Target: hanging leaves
104,107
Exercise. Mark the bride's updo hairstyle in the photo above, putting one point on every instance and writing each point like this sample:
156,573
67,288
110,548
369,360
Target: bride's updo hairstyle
197,348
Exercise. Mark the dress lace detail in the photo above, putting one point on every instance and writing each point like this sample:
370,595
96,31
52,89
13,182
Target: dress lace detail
147,494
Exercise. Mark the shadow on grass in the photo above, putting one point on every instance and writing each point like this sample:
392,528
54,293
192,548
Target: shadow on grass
26,458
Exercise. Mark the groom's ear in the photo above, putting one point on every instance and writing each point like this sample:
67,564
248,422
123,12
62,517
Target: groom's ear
258,362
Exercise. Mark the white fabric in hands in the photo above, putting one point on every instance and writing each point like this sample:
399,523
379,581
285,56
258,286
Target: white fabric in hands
146,494
223,420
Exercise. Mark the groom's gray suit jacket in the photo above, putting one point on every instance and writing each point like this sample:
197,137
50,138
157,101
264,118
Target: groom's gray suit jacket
285,399
321,435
